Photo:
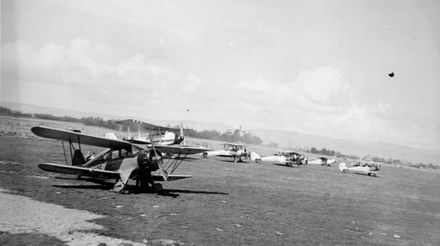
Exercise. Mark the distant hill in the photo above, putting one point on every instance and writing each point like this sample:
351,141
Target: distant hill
196,125
286,139
29,108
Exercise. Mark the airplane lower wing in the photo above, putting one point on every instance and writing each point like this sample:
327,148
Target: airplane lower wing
279,159
320,161
97,173
81,171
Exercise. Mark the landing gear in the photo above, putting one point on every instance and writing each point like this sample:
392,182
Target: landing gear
157,188
119,187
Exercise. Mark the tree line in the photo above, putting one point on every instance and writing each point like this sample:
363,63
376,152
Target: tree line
229,136
118,125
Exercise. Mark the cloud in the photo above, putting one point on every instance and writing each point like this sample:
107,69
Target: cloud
325,87
89,75
318,101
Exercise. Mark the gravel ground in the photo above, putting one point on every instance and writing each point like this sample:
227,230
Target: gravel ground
23,215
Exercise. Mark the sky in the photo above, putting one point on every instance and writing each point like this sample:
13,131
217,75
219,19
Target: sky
319,67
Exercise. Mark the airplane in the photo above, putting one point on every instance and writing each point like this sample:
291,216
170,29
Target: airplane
323,161
168,137
234,150
288,158
121,160
370,169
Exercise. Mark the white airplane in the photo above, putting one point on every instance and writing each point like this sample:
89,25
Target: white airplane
323,161
155,134
160,138
236,151
288,158
370,169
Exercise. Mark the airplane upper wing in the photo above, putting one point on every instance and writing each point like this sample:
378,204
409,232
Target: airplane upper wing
146,125
179,149
76,137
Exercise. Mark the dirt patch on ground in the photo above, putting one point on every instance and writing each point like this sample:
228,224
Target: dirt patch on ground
22,215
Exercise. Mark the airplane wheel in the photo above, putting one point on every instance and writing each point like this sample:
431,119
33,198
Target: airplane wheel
119,187
205,155
124,191
158,187
374,175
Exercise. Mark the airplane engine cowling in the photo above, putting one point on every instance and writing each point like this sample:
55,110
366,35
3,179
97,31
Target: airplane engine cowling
239,152
148,160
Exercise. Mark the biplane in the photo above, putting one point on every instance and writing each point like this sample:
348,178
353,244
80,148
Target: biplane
323,161
121,160
158,135
288,158
370,169
233,150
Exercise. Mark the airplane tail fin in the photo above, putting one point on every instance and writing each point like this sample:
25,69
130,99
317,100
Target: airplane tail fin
110,135
181,133
180,139
255,157
343,167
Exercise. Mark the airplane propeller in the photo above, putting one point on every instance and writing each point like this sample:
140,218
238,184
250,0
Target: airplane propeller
159,161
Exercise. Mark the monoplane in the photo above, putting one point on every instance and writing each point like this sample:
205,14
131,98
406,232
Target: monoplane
121,160
232,150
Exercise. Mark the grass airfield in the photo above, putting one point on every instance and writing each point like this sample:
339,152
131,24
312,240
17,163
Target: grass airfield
226,203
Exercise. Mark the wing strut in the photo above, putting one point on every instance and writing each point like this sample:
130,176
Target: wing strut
174,164
64,151
70,149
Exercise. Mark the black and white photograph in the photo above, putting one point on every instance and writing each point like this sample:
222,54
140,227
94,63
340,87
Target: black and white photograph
220,122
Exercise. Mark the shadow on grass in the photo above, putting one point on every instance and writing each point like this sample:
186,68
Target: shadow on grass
86,187
196,192
132,189
245,161
172,192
